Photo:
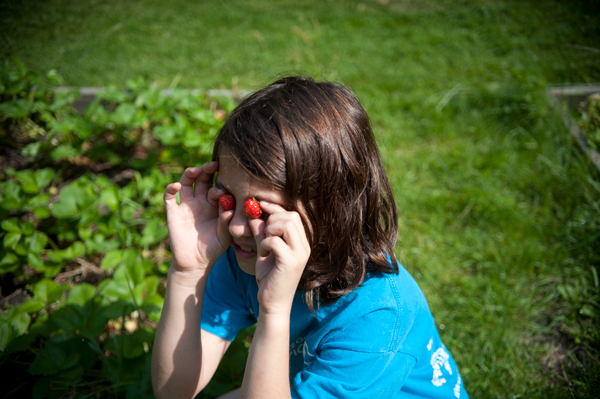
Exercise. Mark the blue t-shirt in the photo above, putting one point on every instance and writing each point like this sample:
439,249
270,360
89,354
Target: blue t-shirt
378,341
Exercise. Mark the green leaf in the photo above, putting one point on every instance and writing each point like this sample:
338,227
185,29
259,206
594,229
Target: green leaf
589,310
19,320
42,211
73,124
203,115
193,139
112,259
110,197
20,249
51,359
43,177
11,224
55,256
28,228
9,259
72,376
66,206
48,291
115,290
85,233
125,114
35,261
133,345
54,78
12,198
90,216
76,250
32,149
11,239
32,305
38,242
16,109
28,182
167,134
152,302
129,277
39,199
81,293
153,232
52,270
64,151
141,388
69,318
7,334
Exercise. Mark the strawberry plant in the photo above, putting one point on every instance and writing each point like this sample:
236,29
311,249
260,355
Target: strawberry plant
84,245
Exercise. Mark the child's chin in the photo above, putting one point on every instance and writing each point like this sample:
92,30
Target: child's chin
247,266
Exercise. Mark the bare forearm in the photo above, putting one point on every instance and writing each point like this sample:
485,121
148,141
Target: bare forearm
267,369
177,352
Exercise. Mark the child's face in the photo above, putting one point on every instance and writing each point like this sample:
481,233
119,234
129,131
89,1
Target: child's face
236,181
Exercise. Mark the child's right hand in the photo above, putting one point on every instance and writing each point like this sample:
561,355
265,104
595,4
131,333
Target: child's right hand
198,229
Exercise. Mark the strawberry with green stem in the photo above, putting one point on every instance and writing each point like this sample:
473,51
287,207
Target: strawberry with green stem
252,208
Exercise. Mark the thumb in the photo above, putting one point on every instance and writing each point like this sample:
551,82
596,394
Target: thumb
223,234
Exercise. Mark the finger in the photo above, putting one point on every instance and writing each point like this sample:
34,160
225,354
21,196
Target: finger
223,233
275,245
298,224
214,193
170,195
202,183
288,226
258,230
187,180
271,208
264,265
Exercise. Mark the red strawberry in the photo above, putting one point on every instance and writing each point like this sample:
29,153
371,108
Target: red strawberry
226,202
252,208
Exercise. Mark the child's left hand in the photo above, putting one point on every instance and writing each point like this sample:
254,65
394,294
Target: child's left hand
282,253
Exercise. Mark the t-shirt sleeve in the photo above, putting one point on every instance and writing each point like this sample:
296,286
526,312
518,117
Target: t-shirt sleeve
355,363
225,309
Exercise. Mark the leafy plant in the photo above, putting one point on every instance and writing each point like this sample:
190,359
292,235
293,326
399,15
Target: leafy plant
84,238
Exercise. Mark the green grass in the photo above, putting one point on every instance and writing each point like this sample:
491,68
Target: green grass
500,215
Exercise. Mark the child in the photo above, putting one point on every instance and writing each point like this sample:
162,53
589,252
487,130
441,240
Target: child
336,315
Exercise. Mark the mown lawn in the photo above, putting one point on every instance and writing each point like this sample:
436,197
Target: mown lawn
500,214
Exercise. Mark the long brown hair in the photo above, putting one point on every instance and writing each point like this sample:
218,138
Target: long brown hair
313,141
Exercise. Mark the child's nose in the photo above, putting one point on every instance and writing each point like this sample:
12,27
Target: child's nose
239,227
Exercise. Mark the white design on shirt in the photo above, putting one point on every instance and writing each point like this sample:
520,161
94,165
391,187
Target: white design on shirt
429,344
297,347
438,359
457,387
309,358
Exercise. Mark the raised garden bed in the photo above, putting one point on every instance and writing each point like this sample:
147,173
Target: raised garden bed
565,101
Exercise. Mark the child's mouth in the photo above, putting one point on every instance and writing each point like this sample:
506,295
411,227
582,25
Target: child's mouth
244,252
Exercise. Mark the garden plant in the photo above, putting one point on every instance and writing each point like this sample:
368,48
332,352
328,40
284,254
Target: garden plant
84,238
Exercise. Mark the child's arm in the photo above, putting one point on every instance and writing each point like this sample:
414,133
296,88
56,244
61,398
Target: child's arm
183,358
283,251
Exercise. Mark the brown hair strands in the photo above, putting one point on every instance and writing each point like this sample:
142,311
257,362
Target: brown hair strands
313,141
